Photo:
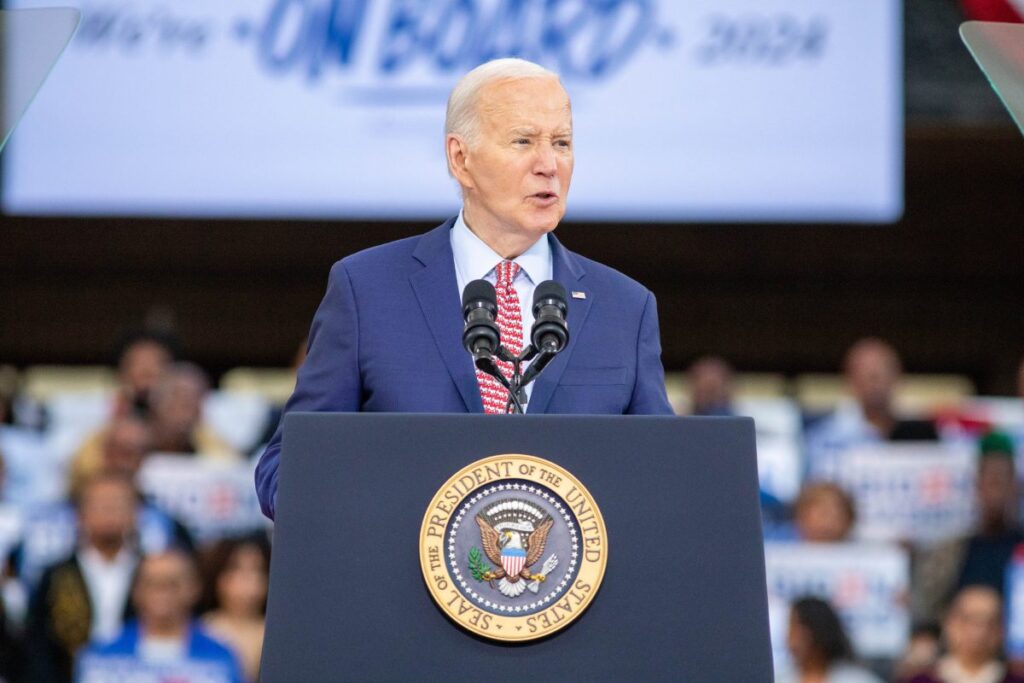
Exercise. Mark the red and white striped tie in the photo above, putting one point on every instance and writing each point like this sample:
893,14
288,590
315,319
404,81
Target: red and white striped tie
510,322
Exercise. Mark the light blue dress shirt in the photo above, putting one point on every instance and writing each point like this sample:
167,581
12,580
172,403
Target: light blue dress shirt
474,260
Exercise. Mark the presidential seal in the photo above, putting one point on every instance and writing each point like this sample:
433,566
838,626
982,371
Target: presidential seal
513,547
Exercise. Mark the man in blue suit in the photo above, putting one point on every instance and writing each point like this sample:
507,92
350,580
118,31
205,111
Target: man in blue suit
388,335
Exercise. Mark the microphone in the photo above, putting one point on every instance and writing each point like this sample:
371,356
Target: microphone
550,332
479,310
482,338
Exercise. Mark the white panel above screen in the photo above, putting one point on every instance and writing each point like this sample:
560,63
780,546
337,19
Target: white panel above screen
704,110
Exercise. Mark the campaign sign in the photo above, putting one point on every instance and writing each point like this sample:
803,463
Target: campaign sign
866,583
129,669
734,110
919,492
212,498
778,466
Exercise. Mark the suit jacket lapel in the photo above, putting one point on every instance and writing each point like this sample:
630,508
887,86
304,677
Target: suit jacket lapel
437,292
567,271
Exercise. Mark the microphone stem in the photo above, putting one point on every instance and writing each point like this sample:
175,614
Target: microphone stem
513,391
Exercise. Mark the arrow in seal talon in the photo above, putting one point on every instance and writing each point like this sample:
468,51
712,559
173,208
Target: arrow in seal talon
547,568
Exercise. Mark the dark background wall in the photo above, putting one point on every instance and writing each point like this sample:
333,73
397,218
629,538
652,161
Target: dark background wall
945,284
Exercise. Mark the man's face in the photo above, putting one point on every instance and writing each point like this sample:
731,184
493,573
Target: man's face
125,446
178,405
107,512
142,366
519,169
872,373
710,385
996,488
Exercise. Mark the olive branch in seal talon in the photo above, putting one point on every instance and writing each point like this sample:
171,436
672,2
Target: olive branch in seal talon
480,570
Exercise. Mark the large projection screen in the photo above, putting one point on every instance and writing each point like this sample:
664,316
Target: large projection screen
704,110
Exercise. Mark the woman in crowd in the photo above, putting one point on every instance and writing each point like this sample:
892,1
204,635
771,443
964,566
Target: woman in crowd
236,573
820,648
973,635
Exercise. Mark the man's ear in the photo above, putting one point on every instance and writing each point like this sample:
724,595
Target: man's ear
457,152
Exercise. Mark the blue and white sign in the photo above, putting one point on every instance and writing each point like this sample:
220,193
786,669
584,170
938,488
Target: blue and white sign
778,430
130,669
920,492
868,585
212,498
710,110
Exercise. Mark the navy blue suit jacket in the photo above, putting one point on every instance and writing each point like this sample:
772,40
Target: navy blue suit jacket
388,338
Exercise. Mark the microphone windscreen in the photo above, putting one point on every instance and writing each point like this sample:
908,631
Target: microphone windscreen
549,289
479,290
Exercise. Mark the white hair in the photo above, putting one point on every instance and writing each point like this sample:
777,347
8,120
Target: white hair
462,117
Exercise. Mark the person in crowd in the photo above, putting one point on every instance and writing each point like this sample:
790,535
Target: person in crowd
164,639
981,557
50,531
711,386
142,361
120,447
872,369
824,513
819,646
33,473
236,574
177,423
85,597
973,634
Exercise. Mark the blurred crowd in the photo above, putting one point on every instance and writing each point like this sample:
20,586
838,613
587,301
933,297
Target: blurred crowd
100,581
959,588
101,577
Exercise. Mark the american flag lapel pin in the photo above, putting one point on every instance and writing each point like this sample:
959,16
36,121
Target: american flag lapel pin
579,295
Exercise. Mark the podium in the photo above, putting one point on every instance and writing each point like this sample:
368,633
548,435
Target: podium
682,597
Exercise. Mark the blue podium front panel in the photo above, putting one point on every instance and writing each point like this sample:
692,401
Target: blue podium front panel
683,591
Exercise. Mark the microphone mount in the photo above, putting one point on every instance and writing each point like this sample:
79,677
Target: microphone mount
481,337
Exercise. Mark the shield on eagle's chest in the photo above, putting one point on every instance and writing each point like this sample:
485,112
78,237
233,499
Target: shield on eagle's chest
512,561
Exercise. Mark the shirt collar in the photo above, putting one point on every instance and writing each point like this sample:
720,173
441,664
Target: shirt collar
475,260
951,670
92,558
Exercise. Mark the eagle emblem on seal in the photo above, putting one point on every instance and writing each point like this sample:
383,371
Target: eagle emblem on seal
513,534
